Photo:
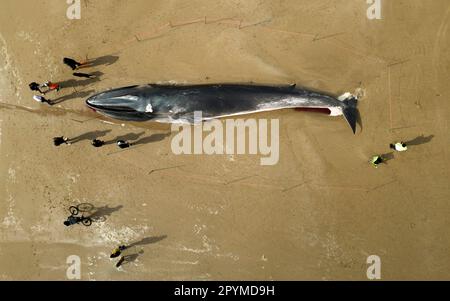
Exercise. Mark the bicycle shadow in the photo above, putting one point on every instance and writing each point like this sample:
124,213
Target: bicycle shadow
102,213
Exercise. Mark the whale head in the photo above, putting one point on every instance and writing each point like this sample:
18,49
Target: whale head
125,104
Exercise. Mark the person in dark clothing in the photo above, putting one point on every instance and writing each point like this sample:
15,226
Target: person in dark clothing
60,140
72,220
123,144
72,63
121,260
35,87
42,99
98,143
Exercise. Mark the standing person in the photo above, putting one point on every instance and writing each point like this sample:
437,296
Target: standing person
35,87
121,260
72,220
123,144
376,160
42,99
97,143
72,63
399,146
117,251
60,140
51,86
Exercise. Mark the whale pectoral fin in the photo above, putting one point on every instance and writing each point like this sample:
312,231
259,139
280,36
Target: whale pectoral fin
351,113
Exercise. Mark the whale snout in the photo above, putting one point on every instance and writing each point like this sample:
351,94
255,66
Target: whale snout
119,105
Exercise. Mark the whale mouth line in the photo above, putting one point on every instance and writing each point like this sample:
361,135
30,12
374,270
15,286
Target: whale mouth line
110,108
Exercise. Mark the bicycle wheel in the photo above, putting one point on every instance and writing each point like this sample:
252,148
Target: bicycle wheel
85,207
86,221
74,210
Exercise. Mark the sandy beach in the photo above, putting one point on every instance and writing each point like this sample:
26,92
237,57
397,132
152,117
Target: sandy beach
316,215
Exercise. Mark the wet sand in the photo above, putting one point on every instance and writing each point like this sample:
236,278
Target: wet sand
317,214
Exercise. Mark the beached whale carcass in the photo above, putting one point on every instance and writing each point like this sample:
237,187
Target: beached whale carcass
177,103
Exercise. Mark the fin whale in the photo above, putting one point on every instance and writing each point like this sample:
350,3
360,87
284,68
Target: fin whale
177,103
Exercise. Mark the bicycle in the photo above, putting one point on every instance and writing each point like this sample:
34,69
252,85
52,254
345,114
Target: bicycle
74,219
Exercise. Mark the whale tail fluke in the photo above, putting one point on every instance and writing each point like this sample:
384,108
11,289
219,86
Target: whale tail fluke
350,112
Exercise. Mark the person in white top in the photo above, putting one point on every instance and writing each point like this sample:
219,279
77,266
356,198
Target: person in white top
399,146
39,98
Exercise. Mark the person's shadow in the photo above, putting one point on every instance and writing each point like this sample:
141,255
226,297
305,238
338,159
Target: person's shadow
419,140
88,75
147,241
152,138
102,60
127,137
73,83
131,257
81,94
101,213
387,157
134,138
89,136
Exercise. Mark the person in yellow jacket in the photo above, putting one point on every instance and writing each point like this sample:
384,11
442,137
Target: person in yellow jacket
117,251
376,160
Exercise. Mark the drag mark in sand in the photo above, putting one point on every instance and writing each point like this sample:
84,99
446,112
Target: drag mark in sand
317,38
295,186
166,168
389,66
240,179
382,185
166,28
185,262
390,97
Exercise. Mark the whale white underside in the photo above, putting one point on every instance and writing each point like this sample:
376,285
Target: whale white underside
334,111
